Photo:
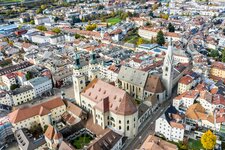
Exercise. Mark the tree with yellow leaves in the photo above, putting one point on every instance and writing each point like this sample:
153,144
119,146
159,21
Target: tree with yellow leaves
208,140
140,41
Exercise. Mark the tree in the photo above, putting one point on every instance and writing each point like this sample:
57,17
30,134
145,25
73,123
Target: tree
91,27
214,53
103,19
151,14
56,30
77,36
32,22
208,140
56,19
140,41
168,4
14,86
83,20
41,28
160,38
152,40
164,16
29,75
39,10
171,28
43,7
20,27
223,55
155,6
100,7
10,43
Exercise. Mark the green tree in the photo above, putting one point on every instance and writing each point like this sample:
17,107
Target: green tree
43,7
77,36
32,22
171,28
20,27
45,127
29,75
208,140
56,30
124,16
83,20
214,53
140,41
39,10
151,14
160,38
103,19
223,55
14,86
41,28
168,4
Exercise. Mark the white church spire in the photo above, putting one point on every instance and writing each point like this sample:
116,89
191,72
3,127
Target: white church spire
168,63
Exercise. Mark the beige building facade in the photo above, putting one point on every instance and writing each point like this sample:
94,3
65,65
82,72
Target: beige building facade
42,114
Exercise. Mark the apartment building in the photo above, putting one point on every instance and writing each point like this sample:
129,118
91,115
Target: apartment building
170,125
9,79
217,71
43,114
184,84
23,94
5,98
186,99
40,85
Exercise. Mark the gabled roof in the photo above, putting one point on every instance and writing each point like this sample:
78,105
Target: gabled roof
119,101
103,105
66,146
186,80
154,85
197,112
133,76
206,95
49,133
41,109
106,142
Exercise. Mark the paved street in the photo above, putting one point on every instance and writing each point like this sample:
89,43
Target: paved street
148,127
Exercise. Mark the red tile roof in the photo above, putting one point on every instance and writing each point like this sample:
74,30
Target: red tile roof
186,80
120,102
41,109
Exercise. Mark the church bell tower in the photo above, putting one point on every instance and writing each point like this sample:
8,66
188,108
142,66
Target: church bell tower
168,69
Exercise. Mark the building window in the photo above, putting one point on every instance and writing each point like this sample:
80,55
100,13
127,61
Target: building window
119,121
127,128
127,121
112,119
119,127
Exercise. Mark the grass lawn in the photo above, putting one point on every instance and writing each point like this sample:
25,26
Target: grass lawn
81,141
195,144
113,21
